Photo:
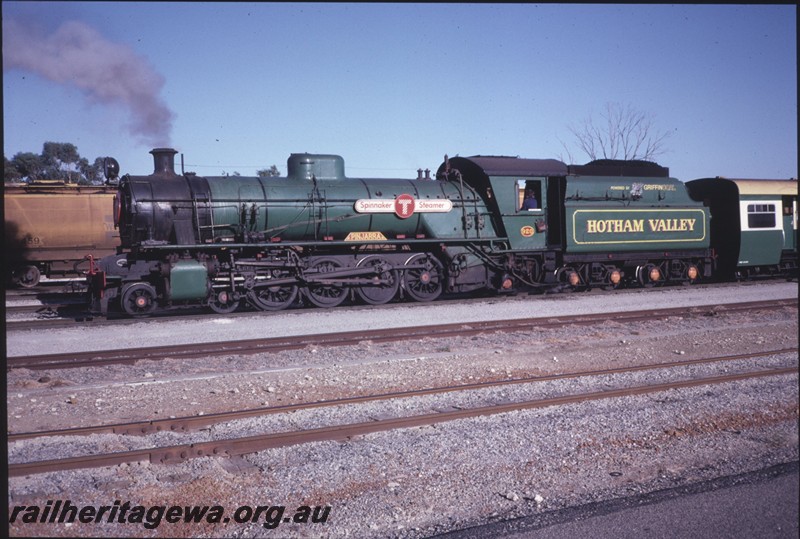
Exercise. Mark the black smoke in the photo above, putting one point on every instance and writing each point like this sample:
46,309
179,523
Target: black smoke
106,72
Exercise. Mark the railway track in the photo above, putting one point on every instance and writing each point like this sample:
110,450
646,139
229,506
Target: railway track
250,444
45,308
275,344
45,311
49,309
55,311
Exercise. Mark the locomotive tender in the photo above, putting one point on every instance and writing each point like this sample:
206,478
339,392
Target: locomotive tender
319,237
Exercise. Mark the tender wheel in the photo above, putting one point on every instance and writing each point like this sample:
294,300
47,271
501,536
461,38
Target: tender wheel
567,275
613,279
273,298
649,275
139,299
385,281
692,274
222,302
325,294
423,278
28,277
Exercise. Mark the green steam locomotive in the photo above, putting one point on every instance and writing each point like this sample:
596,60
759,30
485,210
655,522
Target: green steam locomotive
317,237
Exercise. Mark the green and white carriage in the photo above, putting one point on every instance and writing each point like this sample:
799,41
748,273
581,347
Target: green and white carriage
753,224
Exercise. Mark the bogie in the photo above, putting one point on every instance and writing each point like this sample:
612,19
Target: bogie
223,301
139,299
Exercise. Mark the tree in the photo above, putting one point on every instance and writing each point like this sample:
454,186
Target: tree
622,133
28,165
60,159
10,172
268,172
59,153
93,173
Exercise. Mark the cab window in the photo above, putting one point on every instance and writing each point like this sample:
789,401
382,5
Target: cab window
529,195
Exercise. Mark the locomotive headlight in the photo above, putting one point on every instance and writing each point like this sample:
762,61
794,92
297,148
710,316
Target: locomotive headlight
110,169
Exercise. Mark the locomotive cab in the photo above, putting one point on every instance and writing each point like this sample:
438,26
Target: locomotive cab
509,186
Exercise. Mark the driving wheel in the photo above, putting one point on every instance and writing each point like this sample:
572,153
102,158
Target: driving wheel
423,278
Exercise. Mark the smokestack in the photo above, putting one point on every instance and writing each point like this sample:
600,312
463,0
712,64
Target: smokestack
419,173
164,161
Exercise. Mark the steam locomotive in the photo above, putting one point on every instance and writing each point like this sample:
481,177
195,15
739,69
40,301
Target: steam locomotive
318,237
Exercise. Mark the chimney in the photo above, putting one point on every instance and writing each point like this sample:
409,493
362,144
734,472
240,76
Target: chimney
419,173
164,161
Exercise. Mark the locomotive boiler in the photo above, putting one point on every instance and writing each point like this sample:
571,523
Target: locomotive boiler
186,239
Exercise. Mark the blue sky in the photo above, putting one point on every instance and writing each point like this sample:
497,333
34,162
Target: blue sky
394,87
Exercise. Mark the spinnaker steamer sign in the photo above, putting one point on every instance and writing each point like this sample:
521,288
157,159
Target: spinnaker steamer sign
404,206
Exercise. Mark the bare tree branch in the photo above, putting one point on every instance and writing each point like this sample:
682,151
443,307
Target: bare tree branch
626,134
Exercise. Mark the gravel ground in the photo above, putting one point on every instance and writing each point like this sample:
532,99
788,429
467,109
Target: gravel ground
421,481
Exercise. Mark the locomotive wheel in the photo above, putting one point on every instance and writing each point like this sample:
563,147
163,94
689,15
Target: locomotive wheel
223,302
649,275
569,278
29,277
139,299
691,275
325,295
380,292
272,298
613,278
423,283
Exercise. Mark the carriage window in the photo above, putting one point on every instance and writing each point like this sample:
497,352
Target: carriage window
789,205
761,215
529,195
